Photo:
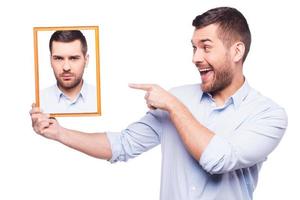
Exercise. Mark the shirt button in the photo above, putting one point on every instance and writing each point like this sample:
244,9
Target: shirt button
193,188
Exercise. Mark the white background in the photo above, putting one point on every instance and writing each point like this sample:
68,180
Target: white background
140,41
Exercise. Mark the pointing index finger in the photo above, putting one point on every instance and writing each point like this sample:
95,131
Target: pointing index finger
145,87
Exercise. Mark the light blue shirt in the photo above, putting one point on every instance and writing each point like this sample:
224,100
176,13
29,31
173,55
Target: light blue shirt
247,128
53,100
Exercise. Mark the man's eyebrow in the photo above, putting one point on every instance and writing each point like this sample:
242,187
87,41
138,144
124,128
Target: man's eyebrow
203,41
57,56
75,56
206,40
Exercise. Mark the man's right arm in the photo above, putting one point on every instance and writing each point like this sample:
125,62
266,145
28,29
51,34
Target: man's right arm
93,144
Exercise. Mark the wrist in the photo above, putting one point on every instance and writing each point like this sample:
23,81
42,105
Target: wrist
61,135
173,105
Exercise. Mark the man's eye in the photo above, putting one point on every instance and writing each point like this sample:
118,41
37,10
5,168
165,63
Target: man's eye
194,49
74,58
58,58
206,48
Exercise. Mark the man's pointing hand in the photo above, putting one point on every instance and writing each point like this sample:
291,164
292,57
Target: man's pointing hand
156,96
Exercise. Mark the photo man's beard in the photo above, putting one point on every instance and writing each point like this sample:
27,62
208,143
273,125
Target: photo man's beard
67,85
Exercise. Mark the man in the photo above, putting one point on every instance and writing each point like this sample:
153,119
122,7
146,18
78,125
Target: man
214,135
69,58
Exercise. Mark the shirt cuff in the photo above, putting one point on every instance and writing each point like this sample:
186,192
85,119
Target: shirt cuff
213,158
115,145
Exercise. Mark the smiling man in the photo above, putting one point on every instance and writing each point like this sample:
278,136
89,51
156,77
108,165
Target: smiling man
214,135
70,94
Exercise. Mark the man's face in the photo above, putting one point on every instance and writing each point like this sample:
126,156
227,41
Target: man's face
68,63
212,59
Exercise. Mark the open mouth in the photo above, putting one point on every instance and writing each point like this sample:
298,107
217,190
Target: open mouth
206,73
203,71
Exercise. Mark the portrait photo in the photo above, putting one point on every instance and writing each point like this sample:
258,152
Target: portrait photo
67,70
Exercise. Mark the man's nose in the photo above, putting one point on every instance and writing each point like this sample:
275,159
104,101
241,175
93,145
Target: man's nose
198,56
66,66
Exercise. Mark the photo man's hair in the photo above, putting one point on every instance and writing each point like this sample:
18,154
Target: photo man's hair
69,36
232,26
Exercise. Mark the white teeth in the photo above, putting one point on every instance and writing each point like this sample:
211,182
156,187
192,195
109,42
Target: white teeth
205,70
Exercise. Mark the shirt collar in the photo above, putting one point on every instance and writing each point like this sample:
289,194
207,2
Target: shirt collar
58,93
237,98
83,93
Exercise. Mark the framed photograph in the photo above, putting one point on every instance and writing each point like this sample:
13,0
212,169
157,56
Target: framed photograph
67,70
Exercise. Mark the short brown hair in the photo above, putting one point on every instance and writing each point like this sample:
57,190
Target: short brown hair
69,36
233,25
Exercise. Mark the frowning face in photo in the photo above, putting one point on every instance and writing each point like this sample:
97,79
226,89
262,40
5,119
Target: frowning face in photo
68,62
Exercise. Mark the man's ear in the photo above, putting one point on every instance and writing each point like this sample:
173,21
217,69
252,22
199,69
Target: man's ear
238,51
87,56
50,58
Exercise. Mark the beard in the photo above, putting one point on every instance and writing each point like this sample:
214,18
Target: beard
68,85
222,78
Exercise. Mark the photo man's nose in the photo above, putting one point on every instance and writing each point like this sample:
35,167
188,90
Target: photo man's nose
66,66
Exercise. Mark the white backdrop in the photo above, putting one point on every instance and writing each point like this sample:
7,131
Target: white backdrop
140,41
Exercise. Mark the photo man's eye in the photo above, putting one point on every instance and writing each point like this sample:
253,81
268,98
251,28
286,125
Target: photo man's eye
58,58
74,58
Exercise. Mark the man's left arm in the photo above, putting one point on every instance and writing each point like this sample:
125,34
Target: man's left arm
194,135
249,144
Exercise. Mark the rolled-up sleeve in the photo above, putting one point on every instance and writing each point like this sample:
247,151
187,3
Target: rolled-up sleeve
137,138
250,143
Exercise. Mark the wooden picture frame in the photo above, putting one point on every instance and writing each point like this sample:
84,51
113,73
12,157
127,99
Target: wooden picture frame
51,84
